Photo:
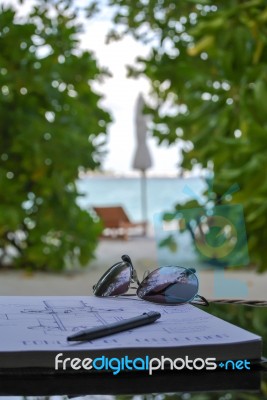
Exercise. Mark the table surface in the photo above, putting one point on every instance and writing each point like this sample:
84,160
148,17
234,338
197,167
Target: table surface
41,382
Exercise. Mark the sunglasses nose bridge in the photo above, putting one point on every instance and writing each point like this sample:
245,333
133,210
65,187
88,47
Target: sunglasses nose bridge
135,277
126,259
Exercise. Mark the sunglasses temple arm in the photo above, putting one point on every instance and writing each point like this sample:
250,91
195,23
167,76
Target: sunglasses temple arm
127,259
202,302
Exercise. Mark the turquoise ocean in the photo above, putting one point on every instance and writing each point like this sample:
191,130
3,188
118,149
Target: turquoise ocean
162,193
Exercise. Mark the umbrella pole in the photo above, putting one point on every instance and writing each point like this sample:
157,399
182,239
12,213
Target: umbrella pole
144,200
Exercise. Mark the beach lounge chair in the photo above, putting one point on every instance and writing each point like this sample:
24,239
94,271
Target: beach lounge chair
117,223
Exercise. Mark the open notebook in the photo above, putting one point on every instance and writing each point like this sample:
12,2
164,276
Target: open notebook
34,329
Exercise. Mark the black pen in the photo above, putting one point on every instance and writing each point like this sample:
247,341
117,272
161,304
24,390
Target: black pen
125,324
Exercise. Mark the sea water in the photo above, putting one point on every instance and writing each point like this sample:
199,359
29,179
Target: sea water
162,194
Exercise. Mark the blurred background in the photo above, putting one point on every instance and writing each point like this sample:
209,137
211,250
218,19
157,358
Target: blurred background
155,107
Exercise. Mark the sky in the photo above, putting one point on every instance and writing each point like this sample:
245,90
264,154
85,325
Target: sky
120,96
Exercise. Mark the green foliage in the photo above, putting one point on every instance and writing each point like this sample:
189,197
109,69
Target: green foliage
51,127
217,232
208,72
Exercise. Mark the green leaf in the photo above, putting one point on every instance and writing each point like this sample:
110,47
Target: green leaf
215,69
50,126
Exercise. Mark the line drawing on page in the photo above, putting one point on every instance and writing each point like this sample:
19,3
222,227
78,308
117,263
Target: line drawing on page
35,323
53,317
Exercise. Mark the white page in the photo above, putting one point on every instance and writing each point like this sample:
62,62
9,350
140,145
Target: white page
43,323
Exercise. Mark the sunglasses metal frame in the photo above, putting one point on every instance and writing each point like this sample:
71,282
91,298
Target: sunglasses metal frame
197,299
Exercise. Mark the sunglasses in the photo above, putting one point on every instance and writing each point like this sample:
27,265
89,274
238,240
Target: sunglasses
164,285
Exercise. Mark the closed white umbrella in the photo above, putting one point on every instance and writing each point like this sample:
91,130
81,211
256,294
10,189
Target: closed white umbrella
142,159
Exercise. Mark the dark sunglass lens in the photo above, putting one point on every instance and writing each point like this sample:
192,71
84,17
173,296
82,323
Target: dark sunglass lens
115,281
169,285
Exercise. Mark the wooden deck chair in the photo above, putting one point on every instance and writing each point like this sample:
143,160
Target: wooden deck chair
116,222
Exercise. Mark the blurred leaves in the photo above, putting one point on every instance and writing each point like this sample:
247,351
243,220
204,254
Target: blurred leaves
208,73
51,127
170,243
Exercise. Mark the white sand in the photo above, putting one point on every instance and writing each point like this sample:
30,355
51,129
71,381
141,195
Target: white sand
143,254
